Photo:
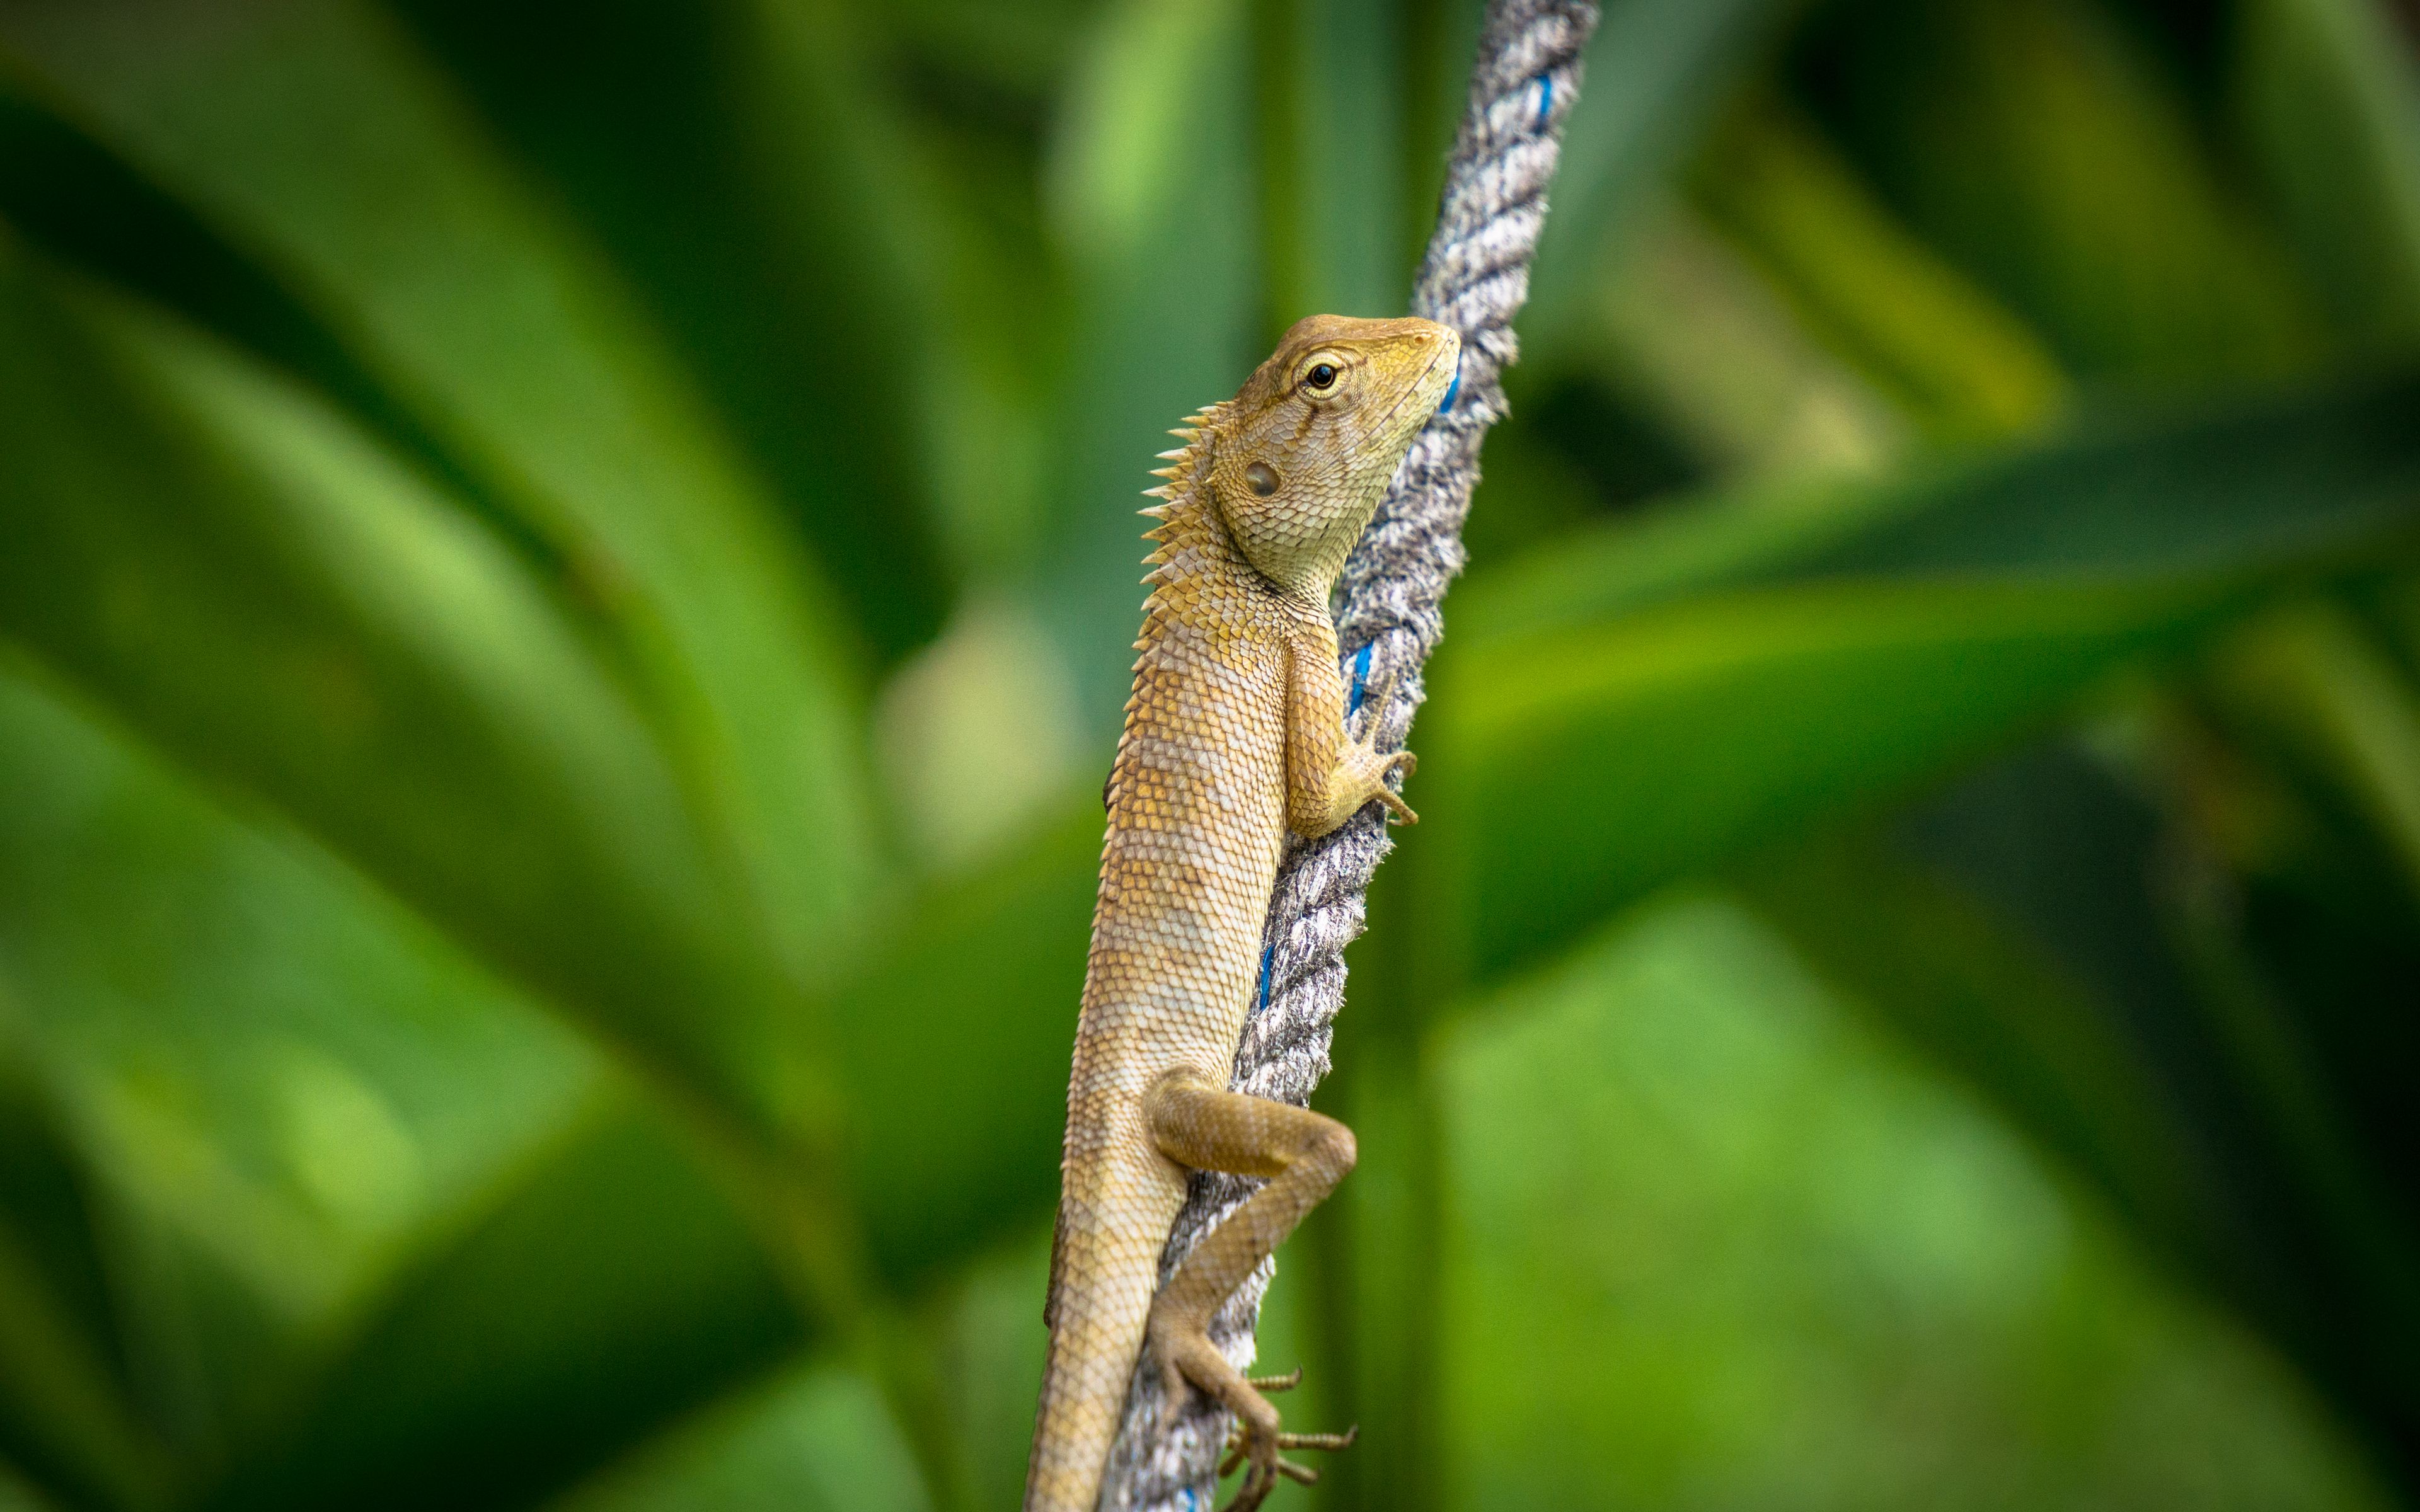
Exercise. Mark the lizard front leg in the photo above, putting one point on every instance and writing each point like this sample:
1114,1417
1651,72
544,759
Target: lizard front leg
1304,1154
1329,776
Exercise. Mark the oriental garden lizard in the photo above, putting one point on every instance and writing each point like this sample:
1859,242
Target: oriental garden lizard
1234,736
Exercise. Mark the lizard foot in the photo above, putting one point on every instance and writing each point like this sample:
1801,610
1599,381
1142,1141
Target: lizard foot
1186,1355
1374,768
1261,1449
1239,1449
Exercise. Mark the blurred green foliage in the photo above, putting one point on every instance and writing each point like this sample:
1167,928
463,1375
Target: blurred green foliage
565,578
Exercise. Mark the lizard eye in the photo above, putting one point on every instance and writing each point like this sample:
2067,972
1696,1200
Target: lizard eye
1320,373
1262,479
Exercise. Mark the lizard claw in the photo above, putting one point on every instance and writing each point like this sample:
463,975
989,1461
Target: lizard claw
1290,1441
1301,1475
1383,766
1261,1449
1397,810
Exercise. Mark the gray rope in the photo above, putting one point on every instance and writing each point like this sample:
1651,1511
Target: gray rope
1475,277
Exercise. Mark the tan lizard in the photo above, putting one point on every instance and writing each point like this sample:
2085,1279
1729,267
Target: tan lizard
1235,735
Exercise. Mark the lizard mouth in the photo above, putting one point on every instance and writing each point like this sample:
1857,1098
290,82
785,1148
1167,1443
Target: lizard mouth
1450,352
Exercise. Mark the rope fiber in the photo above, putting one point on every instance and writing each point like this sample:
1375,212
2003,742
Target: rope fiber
1474,278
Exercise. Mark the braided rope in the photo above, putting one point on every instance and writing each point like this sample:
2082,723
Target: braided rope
1474,278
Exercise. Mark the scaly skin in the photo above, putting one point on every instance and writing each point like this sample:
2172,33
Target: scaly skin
1235,735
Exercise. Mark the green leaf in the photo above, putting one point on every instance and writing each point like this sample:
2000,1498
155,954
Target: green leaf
2316,686
1944,971
1348,128
279,1081
70,198
954,1043
1960,364
2065,949
2215,488
611,1291
813,1439
314,137
2045,153
1658,72
232,571
243,1040
1759,1256
2329,99
1581,769
67,1414
752,204
1596,739
379,1227
990,1356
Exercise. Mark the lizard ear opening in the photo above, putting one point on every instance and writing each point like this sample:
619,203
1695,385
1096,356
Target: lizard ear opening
1262,479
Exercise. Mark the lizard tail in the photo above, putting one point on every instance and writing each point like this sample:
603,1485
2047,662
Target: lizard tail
1097,1334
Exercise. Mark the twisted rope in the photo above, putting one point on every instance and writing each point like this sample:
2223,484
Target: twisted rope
1474,278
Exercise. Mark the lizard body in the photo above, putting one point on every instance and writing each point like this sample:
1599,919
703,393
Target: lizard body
1234,736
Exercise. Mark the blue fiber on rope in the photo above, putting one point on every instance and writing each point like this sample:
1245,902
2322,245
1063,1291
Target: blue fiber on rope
1451,390
1360,679
1545,96
1268,960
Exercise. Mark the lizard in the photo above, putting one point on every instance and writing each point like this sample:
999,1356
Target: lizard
1234,736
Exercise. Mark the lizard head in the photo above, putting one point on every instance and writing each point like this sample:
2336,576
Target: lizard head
1299,457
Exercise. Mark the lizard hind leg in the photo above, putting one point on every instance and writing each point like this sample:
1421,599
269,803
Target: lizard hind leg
1304,1154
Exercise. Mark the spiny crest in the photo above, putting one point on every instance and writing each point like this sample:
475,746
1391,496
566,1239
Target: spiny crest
1181,502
